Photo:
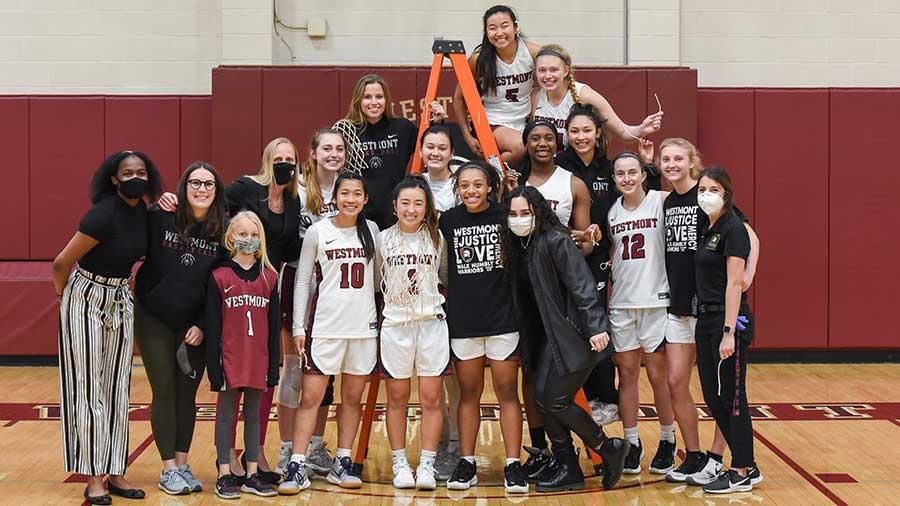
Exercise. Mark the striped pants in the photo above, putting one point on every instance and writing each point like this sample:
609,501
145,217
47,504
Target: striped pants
95,349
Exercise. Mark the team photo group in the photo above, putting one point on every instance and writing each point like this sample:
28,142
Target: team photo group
566,268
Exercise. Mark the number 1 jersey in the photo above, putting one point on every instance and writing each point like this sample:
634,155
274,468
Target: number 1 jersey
639,255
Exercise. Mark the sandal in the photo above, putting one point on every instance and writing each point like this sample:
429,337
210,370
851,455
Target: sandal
104,499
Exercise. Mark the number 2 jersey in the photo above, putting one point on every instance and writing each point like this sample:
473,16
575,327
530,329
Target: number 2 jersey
242,327
334,262
639,255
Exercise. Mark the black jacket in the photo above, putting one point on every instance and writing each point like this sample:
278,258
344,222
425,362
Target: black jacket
566,298
282,244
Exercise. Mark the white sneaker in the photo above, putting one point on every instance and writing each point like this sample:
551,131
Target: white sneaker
603,413
425,479
403,476
707,475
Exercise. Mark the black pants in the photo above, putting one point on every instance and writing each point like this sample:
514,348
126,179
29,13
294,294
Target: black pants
553,396
173,410
601,384
724,384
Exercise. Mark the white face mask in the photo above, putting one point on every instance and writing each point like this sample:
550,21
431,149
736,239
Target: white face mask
521,225
710,202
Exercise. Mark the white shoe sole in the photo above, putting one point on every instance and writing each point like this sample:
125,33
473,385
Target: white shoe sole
426,486
251,490
404,486
515,489
458,485
732,490
293,491
334,480
184,491
227,497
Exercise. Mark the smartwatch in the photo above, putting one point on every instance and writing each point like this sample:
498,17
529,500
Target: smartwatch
727,330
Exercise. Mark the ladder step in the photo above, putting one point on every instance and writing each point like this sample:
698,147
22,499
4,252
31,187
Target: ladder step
448,46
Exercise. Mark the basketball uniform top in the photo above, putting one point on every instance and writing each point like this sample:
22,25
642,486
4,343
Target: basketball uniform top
307,217
407,269
639,255
244,335
344,299
557,190
556,115
511,104
443,192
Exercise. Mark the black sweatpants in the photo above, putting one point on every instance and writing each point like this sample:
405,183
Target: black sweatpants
601,384
724,384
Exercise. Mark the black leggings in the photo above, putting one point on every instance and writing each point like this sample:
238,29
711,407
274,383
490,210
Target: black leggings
173,410
553,397
724,384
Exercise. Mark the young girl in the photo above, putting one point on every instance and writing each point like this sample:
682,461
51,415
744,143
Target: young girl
414,332
340,337
558,92
638,305
475,288
327,157
242,326
503,66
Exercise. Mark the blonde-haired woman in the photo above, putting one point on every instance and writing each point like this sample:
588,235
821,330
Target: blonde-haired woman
243,322
558,91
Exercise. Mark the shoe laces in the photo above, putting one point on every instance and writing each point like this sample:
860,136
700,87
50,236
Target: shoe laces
185,471
514,473
461,469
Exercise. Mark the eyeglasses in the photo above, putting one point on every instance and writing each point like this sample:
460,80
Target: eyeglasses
197,183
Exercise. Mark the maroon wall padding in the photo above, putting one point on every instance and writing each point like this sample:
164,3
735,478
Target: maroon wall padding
196,131
864,219
792,280
147,124
289,110
14,167
29,311
625,90
236,121
66,146
677,92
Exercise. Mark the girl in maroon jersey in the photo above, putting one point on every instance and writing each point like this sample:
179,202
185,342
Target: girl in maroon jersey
243,321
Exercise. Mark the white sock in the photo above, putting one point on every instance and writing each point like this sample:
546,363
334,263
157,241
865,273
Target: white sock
342,452
316,442
298,458
398,457
631,434
667,433
510,460
426,458
286,445
470,459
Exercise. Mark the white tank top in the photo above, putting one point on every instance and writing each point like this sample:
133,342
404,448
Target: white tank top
345,284
558,192
443,192
308,218
409,276
544,110
639,257
511,104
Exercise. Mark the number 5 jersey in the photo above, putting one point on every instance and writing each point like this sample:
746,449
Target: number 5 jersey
242,325
639,254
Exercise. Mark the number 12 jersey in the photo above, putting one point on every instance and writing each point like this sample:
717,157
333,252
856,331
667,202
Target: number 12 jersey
639,255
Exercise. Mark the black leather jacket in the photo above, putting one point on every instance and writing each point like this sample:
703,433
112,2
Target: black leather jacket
567,301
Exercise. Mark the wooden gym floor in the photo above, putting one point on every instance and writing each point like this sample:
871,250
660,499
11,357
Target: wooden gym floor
825,434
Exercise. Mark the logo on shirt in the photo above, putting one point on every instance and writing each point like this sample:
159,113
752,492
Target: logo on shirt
228,288
187,260
331,241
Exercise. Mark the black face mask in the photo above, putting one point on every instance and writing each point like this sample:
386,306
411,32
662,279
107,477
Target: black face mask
133,188
283,172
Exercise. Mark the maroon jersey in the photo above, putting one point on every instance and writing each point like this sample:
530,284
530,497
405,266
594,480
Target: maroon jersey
245,327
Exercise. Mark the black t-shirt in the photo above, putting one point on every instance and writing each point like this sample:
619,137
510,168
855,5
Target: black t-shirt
121,231
598,177
479,301
171,283
387,145
683,217
727,238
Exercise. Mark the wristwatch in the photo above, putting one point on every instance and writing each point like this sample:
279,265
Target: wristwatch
727,330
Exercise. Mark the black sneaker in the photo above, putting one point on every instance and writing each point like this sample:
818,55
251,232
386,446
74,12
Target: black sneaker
270,477
255,485
664,460
537,461
464,476
227,487
634,458
694,462
514,480
756,477
728,482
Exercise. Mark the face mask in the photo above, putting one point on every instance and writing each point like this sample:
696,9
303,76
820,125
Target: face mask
283,172
133,188
184,362
247,246
521,225
711,203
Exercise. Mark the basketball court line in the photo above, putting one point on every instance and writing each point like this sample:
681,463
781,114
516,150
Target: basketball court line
800,470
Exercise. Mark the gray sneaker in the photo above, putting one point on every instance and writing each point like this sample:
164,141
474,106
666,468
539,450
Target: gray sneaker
319,460
171,482
185,471
284,456
341,474
445,462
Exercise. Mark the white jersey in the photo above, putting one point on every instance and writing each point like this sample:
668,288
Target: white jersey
511,104
558,114
334,262
557,191
407,269
307,217
443,192
639,257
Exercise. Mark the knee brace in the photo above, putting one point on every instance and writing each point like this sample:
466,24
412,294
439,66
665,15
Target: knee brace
289,385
